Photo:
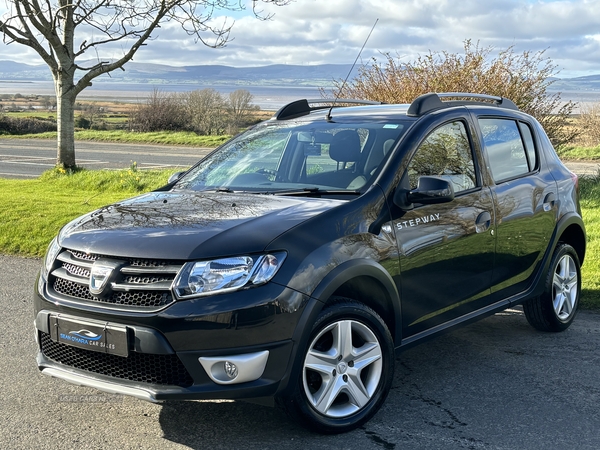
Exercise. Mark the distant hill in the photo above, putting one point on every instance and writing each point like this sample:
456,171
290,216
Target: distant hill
588,83
213,75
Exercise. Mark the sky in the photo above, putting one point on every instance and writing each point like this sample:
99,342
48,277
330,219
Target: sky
333,31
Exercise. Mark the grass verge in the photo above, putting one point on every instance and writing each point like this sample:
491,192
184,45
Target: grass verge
127,137
575,153
589,188
34,211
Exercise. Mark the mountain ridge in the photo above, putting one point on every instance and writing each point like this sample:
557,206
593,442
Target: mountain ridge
275,74
215,75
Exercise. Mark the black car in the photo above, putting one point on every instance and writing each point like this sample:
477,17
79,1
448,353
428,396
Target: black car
296,261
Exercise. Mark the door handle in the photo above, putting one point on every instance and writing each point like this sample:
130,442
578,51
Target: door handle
549,201
483,222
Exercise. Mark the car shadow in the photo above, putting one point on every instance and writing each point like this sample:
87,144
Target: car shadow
239,424
421,370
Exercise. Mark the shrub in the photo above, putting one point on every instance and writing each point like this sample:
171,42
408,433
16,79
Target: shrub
589,124
205,111
160,112
522,77
25,125
82,122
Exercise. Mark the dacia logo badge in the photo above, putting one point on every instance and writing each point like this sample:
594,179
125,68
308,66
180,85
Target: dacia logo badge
100,275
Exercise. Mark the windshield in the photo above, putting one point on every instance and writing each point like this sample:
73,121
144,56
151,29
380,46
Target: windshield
287,157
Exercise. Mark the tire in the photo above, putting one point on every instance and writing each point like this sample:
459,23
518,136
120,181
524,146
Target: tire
556,308
347,369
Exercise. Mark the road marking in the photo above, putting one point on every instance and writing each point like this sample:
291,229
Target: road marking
160,166
25,158
29,163
18,174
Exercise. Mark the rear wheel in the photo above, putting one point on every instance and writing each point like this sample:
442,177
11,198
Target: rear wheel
347,369
555,309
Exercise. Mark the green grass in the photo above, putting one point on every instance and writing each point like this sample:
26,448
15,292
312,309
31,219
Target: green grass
34,210
160,137
589,188
109,118
574,153
32,115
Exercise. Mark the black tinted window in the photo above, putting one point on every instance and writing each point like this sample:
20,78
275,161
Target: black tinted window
529,145
445,153
505,148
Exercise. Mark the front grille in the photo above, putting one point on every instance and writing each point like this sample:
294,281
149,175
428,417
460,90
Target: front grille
140,367
137,283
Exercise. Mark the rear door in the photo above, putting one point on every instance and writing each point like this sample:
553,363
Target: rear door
525,197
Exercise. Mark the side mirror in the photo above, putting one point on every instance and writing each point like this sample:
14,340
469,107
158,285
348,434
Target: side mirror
176,176
429,191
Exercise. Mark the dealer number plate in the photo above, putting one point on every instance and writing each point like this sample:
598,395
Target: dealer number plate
89,335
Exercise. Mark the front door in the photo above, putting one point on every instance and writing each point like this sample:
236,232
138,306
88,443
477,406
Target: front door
446,250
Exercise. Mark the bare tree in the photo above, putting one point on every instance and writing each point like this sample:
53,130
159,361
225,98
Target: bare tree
589,123
240,107
161,112
62,31
206,110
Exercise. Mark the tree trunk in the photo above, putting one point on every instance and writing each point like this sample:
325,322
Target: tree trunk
65,121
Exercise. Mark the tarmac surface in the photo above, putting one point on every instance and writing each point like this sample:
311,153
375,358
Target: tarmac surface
495,384
28,158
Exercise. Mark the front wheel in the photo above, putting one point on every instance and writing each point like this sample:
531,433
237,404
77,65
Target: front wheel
555,309
347,369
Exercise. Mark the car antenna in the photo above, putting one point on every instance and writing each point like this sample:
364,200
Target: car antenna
328,117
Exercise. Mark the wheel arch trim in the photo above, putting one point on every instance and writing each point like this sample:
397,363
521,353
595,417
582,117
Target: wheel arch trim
336,278
357,268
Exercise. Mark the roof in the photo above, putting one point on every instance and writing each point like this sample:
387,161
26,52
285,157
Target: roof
419,107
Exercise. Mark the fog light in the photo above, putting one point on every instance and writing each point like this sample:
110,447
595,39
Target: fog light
234,369
231,370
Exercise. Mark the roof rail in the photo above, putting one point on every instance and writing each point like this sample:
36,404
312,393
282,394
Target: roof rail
432,101
302,107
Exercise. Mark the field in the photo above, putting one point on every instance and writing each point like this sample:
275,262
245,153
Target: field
39,106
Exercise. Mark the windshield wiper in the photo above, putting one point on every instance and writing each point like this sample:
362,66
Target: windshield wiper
308,191
224,189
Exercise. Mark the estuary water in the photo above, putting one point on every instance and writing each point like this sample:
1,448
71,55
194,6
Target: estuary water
269,98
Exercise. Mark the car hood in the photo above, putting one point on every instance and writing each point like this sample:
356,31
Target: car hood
189,225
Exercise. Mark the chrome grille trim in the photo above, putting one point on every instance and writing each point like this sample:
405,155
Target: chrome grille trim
62,273
67,257
151,269
135,285
158,286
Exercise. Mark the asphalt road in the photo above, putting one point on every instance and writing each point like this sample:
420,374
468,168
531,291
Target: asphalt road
496,384
28,158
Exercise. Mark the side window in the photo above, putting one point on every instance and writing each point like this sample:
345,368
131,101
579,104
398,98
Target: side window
445,153
319,158
506,148
529,145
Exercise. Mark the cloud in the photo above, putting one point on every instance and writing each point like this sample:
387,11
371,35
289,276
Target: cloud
332,31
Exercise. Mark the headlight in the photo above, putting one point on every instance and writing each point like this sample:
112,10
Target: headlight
201,278
51,254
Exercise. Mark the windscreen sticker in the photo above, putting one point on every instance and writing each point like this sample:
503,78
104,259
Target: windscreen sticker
418,221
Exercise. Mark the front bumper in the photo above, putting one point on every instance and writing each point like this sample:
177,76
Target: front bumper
201,388
235,325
